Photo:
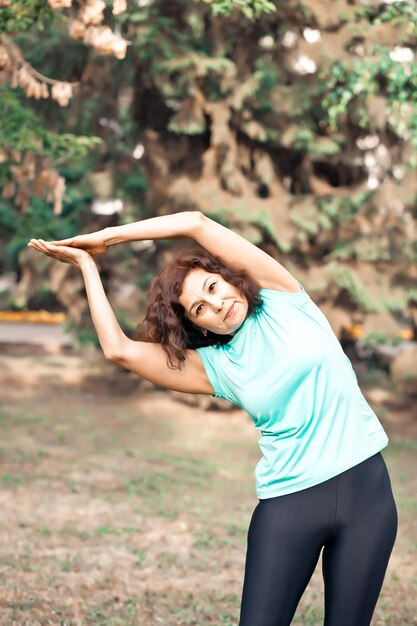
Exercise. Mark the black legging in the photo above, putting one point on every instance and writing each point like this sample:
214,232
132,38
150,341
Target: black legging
353,517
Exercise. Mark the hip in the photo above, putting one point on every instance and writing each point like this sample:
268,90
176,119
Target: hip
356,493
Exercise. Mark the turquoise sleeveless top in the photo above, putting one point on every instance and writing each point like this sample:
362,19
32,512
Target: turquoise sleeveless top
286,368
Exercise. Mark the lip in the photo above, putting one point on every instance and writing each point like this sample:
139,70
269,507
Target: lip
229,312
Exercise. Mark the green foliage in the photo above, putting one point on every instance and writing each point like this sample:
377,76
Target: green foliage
348,82
265,78
373,246
323,147
252,9
402,13
156,37
84,336
393,303
38,221
411,295
135,184
22,15
21,129
305,140
189,129
347,279
44,54
266,74
369,248
7,217
381,339
239,219
306,218
344,208
182,71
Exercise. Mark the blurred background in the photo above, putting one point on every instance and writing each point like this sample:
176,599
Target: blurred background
294,124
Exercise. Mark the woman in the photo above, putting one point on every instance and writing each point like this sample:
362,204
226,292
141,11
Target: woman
230,321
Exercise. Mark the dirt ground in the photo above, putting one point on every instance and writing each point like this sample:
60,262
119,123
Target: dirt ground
122,506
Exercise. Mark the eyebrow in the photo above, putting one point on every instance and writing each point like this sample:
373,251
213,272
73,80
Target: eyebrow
204,286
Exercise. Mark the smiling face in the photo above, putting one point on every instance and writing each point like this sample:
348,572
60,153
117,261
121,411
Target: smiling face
207,298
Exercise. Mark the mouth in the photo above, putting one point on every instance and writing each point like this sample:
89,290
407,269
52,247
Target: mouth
229,312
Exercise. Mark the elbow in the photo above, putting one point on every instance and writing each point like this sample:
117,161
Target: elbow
115,351
112,356
199,219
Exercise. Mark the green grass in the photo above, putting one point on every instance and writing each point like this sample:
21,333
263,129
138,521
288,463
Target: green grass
127,523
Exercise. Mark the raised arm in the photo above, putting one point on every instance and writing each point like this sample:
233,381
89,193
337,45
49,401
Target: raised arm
147,360
233,249
163,227
109,332
239,253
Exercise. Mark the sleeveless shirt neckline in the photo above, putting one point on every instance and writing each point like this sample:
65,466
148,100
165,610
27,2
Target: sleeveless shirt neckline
253,314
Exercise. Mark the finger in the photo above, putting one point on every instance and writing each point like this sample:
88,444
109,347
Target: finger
34,244
64,242
42,250
42,244
41,247
50,246
56,252
47,245
53,255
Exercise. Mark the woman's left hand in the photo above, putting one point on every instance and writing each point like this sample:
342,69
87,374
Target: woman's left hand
65,254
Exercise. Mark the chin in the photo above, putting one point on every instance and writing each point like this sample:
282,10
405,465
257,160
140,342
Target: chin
222,331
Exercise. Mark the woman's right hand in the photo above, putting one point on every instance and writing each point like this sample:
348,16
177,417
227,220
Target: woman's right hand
93,243
65,254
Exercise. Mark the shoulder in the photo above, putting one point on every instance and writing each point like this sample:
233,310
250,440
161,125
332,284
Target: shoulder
295,287
298,295
211,358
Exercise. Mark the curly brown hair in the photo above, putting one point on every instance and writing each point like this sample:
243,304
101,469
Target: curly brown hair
165,316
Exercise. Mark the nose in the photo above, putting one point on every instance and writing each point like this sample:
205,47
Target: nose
217,304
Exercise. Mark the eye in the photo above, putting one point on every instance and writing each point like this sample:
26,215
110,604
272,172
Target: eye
210,289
